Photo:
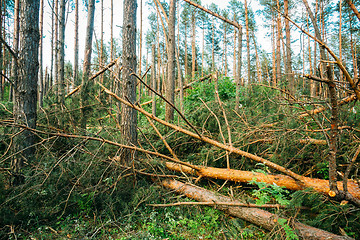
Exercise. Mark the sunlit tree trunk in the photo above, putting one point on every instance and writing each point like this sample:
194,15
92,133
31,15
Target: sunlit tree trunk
186,51
14,65
225,50
86,84
112,30
41,81
238,74
247,42
170,86
61,53
258,69
213,46
153,79
76,45
26,86
278,42
193,47
129,115
273,50
56,44
289,74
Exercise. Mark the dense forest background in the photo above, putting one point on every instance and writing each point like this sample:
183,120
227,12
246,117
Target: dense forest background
186,125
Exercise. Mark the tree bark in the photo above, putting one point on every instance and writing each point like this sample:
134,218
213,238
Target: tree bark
247,42
61,53
238,75
76,46
41,80
25,91
129,115
86,84
257,216
193,42
319,185
153,79
170,86
289,73
14,64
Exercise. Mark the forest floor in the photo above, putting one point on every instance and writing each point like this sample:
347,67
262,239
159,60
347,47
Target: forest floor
77,188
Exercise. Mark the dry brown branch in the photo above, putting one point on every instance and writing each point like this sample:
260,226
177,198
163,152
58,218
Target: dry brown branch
235,24
161,96
101,71
256,216
208,140
190,84
101,140
318,185
321,109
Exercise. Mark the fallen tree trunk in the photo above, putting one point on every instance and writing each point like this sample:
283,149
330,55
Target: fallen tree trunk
318,185
257,216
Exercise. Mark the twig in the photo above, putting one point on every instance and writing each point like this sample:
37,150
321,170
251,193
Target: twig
9,48
101,71
172,105
209,140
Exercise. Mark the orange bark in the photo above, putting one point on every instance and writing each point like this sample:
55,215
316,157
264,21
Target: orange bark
256,216
318,185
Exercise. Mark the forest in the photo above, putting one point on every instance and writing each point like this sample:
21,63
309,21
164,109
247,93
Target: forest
179,119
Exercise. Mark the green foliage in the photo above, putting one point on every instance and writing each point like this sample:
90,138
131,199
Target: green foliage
267,193
290,233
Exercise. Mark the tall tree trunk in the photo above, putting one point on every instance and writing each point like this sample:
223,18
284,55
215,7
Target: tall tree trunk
273,39
76,45
180,77
353,51
278,42
238,74
170,86
318,36
258,69
14,63
112,30
129,115
193,47
56,45
26,86
234,56
247,41
213,46
225,51
86,84
186,51
52,43
61,53
340,37
203,50
140,41
41,81
153,79
289,74
101,62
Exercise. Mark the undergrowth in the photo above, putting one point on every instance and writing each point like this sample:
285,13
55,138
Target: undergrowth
76,189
